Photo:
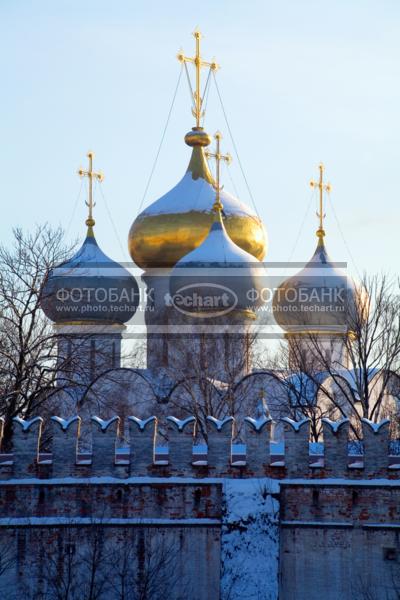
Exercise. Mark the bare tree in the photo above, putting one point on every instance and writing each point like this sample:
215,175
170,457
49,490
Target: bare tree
97,562
37,370
207,368
357,381
144,567
8,562
28,349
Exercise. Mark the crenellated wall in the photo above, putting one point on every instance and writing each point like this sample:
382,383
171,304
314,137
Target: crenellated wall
320,520
259,457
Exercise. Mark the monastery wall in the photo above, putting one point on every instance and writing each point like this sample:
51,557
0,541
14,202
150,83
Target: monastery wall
340,540
224,520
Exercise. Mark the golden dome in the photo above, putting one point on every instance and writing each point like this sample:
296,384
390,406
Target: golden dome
180,220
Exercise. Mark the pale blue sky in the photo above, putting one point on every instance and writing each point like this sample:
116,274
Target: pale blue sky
302,81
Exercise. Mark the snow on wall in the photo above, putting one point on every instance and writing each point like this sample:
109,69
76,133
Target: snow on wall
250,540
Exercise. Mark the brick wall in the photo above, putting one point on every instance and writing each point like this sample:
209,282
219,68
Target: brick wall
340,541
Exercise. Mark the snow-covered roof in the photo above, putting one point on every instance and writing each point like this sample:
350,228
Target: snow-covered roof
219,249
195,194
90,261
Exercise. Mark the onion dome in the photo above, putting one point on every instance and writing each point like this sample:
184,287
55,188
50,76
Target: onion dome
179,221
321,298
218,276
318,299
89,287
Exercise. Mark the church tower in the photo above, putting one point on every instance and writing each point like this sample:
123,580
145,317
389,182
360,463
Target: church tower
89,298
211,289
179,223
316,306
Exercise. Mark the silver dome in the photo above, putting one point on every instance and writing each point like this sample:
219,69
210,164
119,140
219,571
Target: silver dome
217,277
90,287
321,298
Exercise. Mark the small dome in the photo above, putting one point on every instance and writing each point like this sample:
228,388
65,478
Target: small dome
180,220
217,277
90,288
318,299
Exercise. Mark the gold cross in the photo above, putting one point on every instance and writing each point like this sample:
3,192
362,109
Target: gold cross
90,174
323,187
217,206
198,62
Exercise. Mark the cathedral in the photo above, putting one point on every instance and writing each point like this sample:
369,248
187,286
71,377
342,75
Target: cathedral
202,254
180,464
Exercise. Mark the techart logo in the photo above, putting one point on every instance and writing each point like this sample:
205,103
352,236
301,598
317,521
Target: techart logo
204,300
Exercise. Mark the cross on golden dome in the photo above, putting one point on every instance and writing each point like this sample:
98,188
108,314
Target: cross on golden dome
199,63
323,187
217,206
90,174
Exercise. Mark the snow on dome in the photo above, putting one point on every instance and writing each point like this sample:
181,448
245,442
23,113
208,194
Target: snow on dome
217,277
217,248
199,195
90,287
180,220
320,298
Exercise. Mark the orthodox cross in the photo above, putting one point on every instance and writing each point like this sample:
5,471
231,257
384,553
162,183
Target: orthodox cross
217,207
323,187
198,62
90,174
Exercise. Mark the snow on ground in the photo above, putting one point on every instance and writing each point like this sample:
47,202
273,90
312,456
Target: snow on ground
250,540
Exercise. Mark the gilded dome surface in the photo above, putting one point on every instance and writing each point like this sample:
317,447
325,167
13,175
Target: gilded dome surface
180,220
90,287
321,298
